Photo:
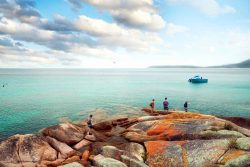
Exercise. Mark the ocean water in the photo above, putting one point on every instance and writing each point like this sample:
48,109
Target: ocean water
33,99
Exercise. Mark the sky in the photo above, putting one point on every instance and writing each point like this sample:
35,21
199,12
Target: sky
123,33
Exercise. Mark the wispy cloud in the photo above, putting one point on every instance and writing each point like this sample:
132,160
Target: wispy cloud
131,13
173,29
208,7
78,38
129,31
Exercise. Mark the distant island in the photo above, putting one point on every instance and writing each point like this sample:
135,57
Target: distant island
244,64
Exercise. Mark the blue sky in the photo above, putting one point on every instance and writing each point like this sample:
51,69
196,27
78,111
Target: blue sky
123,33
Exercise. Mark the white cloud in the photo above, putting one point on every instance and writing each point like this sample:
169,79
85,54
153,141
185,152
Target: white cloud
132,13
121,4
208,7
173,29
22,10
97,27
139,18
24,31
70,48
116,36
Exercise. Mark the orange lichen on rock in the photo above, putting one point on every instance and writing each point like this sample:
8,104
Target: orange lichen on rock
231,154
154,147
218,124
85,155
187,115
156,151
165,127
184,155
71,159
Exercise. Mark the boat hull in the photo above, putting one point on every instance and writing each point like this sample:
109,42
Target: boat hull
198,80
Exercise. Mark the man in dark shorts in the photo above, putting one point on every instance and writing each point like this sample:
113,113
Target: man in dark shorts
165,104
89,122
186,106
152,104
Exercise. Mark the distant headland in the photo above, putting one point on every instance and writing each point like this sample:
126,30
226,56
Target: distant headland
243,64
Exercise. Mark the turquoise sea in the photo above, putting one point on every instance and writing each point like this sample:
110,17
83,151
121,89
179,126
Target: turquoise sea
36,98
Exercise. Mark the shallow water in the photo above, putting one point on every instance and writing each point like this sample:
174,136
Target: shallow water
33,99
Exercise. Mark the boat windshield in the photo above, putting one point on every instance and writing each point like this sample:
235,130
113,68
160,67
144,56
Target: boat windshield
197,77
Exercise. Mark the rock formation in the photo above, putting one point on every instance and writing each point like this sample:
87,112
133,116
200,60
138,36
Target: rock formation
161,139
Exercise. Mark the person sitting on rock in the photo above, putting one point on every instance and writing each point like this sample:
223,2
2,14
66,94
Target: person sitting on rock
165,104
186,106
89,121
152,104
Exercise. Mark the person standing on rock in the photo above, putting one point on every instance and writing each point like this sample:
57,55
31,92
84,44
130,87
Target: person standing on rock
89,121
165,104
152,104
186,106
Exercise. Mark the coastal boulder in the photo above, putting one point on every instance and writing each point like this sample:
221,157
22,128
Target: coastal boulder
73,164
220,134
241,161
243,143
132,155
112,152
34,148
185,153
65,150
25,149
116,141
66,132
135,150
83,143
240,121
132,162
182,126
235,157
109,124
9,150
101,161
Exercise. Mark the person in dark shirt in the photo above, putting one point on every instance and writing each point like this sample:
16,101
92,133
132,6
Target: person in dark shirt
165,104
186,106
89,122
152,104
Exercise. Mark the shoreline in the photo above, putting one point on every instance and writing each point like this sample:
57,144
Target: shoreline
243,121
141,141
